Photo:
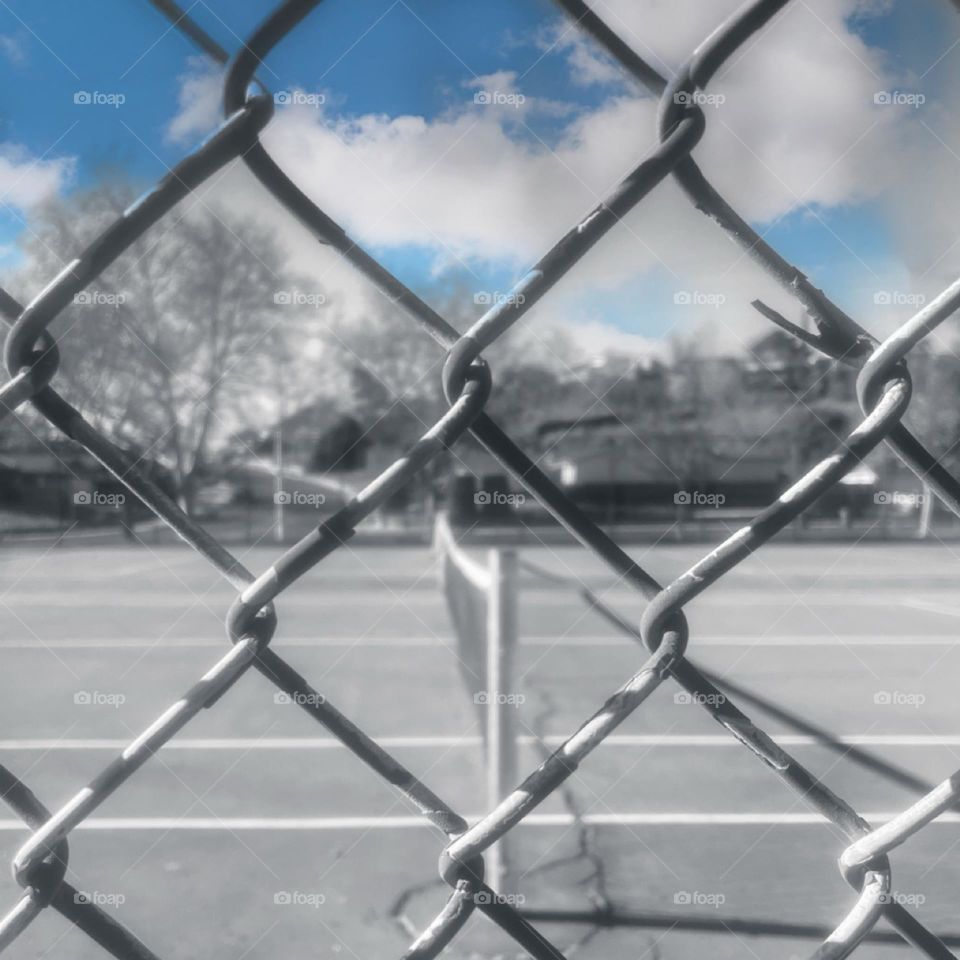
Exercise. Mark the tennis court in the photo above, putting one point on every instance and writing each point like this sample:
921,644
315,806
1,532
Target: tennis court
254,816
249,834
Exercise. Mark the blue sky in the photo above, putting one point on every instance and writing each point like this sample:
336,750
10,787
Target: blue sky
406,65
402,62
417,58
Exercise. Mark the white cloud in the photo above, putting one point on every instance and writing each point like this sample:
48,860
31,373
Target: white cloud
588,63
475,186
12,50
26,180
597,338
924,205
200,98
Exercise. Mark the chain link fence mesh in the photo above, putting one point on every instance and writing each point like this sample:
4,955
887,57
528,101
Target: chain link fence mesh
884,389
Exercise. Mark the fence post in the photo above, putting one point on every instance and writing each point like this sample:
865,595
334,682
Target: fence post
502,706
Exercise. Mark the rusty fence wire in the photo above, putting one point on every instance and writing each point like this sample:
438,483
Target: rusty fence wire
884,390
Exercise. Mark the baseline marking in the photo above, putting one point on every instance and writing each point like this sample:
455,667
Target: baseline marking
274,824
931,606
815,640
440,742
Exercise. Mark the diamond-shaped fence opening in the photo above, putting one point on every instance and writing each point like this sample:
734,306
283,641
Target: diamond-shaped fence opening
884,392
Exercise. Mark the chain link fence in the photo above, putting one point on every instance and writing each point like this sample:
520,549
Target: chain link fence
884,389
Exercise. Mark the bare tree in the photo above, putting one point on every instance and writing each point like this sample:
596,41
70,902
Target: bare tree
395,365
189,323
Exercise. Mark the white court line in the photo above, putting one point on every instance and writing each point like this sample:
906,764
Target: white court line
164,599
817,640
931,606
274,824
441,742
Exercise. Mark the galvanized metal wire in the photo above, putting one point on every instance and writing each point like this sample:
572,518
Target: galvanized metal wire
884,386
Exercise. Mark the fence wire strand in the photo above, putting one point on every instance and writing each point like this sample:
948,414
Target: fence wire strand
884,391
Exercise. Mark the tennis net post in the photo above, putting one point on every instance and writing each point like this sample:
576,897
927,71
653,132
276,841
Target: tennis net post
482,601
501,738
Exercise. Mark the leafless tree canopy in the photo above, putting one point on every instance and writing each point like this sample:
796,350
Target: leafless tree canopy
173,332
